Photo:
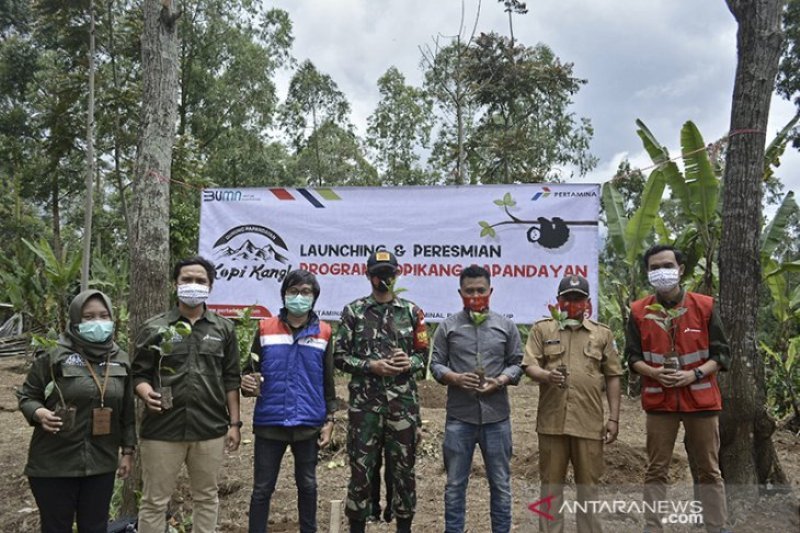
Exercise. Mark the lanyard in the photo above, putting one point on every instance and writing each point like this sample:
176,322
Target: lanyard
97,381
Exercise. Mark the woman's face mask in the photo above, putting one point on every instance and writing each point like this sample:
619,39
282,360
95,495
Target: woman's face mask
96,331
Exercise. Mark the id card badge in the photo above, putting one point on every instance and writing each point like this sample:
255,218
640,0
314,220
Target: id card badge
101,421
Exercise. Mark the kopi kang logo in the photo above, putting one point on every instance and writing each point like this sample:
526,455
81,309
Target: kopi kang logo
251,252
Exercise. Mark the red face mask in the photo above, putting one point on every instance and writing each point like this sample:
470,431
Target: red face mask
477,304
576,310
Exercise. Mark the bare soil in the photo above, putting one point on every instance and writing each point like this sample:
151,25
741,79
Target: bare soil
625,465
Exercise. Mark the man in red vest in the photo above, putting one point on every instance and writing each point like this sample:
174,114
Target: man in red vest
676,342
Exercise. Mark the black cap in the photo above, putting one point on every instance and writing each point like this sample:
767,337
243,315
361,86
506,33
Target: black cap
577,284
381,259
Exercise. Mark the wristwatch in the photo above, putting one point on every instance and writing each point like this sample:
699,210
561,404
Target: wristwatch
698,374
238,424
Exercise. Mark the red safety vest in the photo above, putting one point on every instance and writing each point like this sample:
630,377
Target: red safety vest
691,344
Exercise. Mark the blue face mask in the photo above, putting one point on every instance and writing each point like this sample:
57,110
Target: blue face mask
299,305
96,331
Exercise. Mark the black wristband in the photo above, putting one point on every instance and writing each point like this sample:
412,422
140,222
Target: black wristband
238,424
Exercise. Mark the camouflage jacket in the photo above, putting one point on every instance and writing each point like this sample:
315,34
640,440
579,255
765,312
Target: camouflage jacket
369,331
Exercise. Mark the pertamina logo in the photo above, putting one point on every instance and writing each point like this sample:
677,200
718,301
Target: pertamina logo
544,193
251,251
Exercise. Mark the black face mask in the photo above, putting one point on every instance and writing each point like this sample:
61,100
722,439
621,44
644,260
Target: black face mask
385,281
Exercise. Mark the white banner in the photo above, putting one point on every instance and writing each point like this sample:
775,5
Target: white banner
527,236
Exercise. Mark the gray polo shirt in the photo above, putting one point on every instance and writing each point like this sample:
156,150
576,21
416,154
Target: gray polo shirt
456,346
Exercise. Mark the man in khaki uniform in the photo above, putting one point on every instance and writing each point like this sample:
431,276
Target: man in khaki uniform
574,359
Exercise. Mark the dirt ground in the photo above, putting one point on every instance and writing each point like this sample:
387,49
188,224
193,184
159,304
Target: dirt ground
625,464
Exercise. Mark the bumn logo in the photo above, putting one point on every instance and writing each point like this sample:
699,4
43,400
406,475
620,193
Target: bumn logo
221,195
251,251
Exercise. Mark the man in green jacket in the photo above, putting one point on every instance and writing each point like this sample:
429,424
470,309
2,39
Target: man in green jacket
199,373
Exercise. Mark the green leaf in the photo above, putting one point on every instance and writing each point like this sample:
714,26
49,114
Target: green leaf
778,145
615,217
700,178
48,390
775,233
661,230
184,329
791,353
507,199
501,203
777,285
660,156
770,352
657,152
641,223
483,223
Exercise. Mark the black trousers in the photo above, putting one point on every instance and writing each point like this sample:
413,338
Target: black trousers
64,500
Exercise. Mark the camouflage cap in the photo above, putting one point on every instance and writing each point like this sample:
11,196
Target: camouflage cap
577,284
380,259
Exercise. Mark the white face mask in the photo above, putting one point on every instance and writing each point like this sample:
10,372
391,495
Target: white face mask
664,279
193,294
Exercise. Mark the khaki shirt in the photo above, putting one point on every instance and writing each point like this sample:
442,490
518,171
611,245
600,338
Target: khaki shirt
590,355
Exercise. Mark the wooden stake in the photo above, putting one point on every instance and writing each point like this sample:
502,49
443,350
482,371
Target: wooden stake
336,516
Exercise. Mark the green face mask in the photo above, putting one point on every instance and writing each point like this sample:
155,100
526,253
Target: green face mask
299,305
96,331
478,318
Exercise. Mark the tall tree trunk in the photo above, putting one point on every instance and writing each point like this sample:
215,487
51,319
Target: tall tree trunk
55,193
112,52
149,216
86,260
743,434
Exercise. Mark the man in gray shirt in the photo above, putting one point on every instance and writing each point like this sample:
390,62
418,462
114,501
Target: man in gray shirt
476,353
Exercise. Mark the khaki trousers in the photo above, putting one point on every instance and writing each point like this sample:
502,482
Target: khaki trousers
586,456
161,464
702,446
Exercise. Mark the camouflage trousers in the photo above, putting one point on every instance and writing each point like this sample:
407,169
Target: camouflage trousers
369,434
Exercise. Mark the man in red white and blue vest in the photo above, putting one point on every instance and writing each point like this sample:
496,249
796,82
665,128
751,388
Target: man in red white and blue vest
676,342
293,380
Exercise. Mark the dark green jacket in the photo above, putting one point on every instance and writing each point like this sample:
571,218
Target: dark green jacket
201,369
76,453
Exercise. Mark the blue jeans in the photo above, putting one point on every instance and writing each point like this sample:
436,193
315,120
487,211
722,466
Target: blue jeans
459,446
267,465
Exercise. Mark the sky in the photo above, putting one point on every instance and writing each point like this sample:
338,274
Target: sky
662,61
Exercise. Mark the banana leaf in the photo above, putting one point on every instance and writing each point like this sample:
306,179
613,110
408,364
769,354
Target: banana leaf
778,145
641,223
777,285
662,231
702,183
657,152
775,232
672,173
615,217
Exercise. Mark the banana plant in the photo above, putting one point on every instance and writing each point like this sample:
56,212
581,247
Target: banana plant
785,305
696,191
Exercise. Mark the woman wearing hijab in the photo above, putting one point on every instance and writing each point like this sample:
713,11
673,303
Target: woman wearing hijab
78,396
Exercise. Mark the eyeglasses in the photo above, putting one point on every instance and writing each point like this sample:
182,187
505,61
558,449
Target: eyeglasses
291,291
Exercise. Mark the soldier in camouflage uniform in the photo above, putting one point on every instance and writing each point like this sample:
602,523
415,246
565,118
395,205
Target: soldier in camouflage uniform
382,342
